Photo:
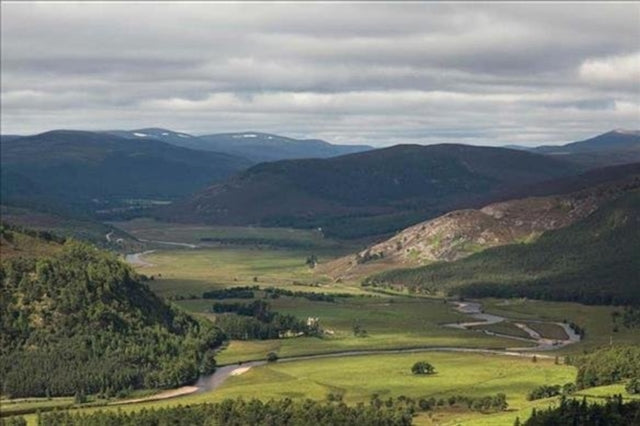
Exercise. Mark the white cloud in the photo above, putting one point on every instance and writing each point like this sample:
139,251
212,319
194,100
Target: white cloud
615,70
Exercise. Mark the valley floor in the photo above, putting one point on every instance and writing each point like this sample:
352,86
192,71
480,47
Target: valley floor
393,322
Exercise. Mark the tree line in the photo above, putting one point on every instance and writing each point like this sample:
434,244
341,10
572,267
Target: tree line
239,412
615,412
249,292
606,366
255,320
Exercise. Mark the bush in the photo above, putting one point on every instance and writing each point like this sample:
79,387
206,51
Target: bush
423,367
272,357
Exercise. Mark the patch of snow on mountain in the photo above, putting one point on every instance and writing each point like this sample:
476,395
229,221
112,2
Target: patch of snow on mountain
140,135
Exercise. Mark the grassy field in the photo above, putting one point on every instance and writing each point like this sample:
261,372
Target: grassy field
390,322
389,375
150,229
188,272
359,377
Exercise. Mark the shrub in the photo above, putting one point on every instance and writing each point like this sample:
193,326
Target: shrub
422,367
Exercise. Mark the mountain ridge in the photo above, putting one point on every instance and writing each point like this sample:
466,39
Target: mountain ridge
255,146
397,182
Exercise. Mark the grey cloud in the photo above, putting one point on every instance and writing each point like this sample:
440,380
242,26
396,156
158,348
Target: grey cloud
379,73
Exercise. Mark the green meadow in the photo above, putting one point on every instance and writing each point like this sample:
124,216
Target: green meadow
357,378
189,272
389,322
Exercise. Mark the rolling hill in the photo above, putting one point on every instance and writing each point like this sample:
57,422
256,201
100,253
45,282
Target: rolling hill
595,261
615,140
66,170
256,146
367,193
611,148
461,233
69,312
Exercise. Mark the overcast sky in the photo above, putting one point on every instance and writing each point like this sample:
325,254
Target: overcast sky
376,73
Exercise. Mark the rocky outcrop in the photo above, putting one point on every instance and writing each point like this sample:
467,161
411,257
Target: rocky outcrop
461,233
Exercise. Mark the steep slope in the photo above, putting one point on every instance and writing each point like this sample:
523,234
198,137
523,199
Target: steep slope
366,193
79,321
595,260
90,170
463,232
261,147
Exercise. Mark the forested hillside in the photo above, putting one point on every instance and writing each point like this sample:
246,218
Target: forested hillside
80,321
593,261
461,233
367,193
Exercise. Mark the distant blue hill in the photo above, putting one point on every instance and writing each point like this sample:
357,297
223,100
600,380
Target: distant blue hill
255,146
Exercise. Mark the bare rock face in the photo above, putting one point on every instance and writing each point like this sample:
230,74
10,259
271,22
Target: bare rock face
461,233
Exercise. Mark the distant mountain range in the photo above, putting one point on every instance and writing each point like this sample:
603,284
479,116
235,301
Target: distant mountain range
76,169
369,192
255,146
366,193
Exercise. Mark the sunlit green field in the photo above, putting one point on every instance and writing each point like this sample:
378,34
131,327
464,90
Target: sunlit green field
190,272
359,377
390,375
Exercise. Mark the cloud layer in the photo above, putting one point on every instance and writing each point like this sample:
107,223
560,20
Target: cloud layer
347,72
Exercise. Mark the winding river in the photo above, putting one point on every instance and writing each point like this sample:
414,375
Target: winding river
472,309
475,311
